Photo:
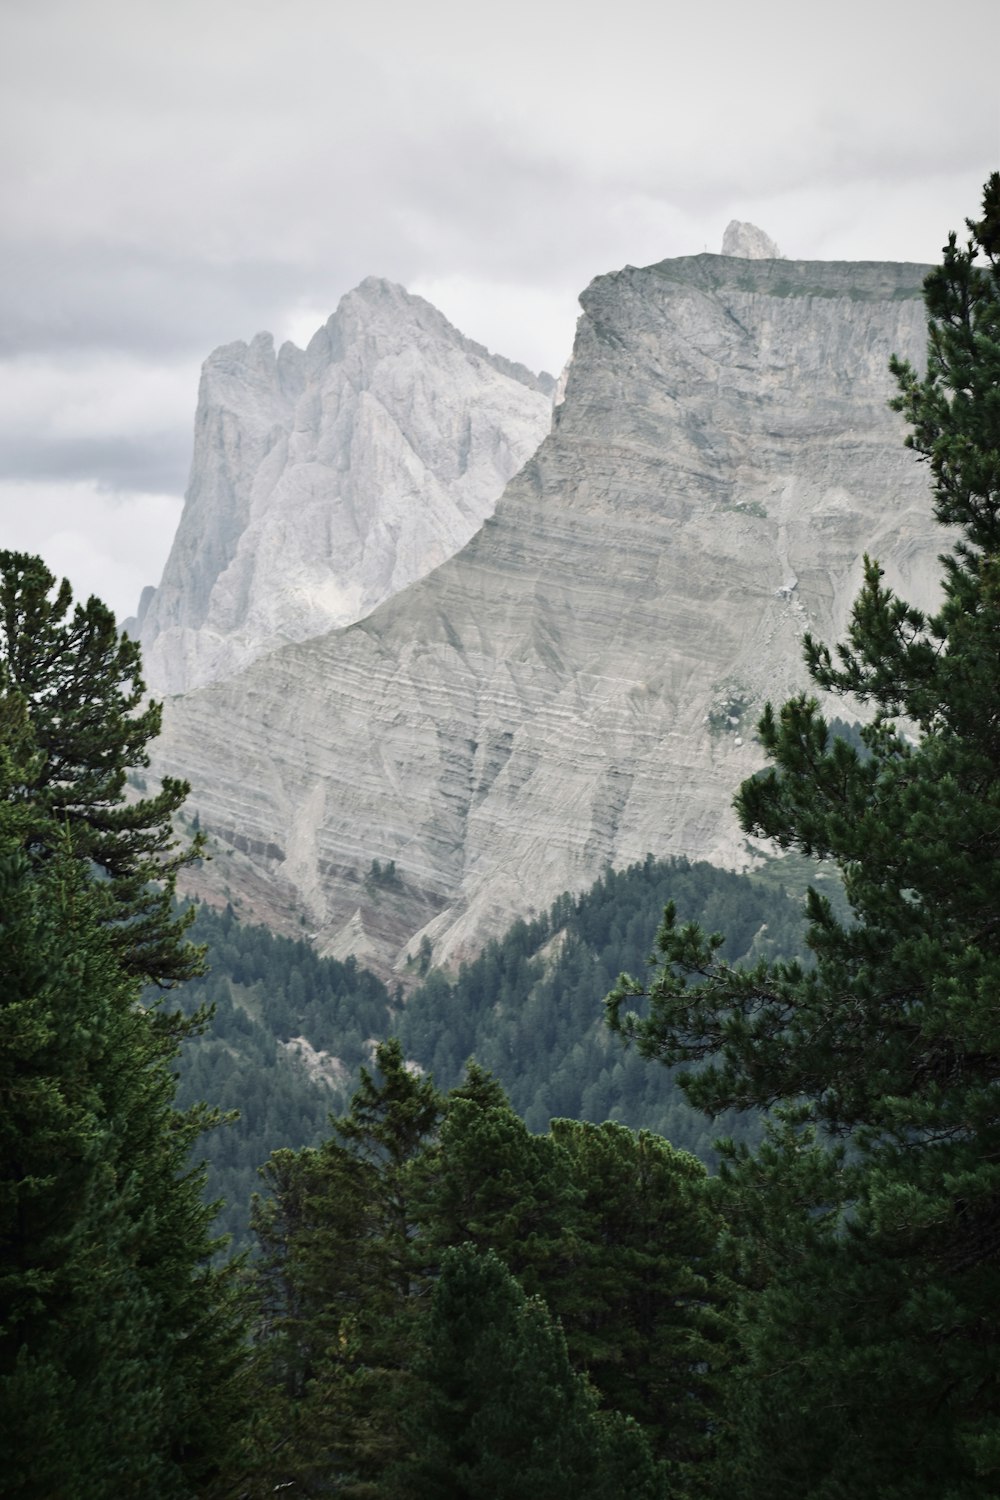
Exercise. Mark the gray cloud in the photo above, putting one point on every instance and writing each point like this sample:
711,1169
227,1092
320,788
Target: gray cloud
176,177
134,299
157,463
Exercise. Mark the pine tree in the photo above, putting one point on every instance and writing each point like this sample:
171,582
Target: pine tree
504,1414
80,685
643,1304
122,1347
340,1286
615,1232
487,1181
875,1315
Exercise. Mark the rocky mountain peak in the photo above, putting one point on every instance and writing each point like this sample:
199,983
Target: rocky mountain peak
379,313
579,684
747,242
326,479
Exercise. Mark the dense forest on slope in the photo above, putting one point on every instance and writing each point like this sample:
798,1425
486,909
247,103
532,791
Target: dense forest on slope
263,991
529,1008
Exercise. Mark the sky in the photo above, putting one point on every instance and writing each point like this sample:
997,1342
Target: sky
179,174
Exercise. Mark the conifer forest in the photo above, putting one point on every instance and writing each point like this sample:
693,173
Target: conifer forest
722,1223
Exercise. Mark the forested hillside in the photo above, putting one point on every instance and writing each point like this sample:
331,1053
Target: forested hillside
529,1008
263,991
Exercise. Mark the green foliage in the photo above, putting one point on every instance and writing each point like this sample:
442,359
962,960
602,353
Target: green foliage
645,1301
382,877
339,1293
729,708
487,1181
505,1414
748,508
424,955
390,1117
615,1232
530,1007
611,1234
79,686
283,986
876,1260
123,1366
262,991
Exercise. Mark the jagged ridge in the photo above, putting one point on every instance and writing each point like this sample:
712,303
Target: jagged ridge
325,480
578,685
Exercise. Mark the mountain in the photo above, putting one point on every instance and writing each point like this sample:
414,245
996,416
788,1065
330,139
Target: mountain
325,480
578,685
749,242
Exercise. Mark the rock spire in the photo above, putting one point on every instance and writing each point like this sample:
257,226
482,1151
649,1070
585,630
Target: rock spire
326,479
747,242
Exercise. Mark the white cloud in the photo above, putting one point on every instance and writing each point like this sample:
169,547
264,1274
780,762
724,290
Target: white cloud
528,323
107,544
179,176
95,396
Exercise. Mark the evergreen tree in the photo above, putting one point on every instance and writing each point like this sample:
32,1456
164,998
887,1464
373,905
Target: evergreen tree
487,1181
323,1308
643,1304
874,1321
81,688
615,1232
122,1349
340,1286
504,1414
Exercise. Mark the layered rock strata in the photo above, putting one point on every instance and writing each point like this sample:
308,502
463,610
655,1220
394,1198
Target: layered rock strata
579,684
325,480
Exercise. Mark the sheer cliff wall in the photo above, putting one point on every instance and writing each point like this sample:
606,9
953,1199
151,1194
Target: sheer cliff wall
579,684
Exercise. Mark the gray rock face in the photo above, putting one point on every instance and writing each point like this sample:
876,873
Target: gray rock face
747,242
326,480
579,684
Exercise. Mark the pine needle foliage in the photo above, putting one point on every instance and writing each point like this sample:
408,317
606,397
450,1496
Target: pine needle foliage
871,1219
78,684
123,1346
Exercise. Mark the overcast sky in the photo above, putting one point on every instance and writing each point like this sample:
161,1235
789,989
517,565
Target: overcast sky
176,175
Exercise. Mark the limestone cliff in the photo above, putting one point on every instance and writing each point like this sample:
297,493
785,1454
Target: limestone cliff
748,242
579,684
325,480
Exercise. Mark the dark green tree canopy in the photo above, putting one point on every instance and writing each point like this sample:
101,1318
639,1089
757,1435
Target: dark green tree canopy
451,1301
123,1349
73,686
868,1225
891,1029
505,1414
